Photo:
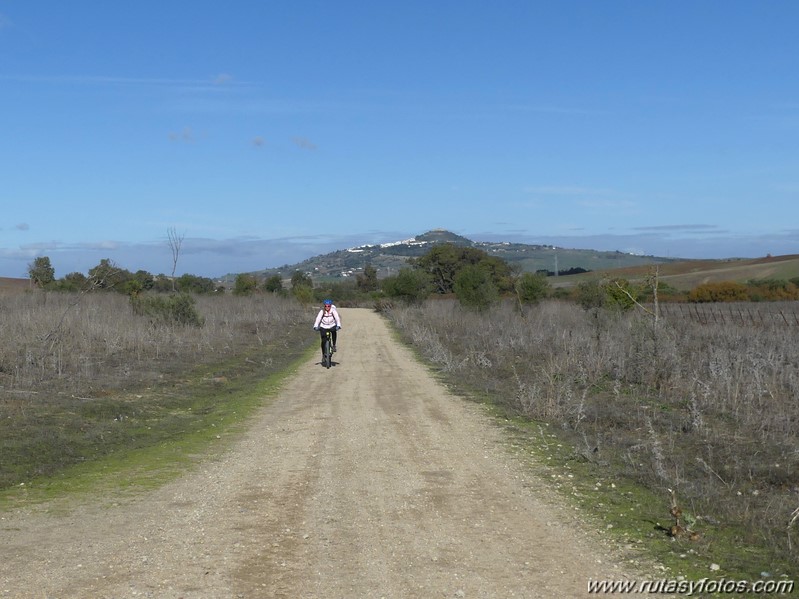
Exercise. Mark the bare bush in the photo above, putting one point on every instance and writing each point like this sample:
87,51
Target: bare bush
709,409
85,375
55,343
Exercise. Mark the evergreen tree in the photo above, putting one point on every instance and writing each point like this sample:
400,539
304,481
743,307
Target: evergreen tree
245,284
475,288
41,272
273,284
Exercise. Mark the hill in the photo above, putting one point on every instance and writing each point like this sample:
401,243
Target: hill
685,275
388,258
681,273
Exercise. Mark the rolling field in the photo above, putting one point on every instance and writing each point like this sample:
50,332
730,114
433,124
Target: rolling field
8,285
688,274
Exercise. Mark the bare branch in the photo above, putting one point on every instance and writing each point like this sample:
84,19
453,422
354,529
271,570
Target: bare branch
175,242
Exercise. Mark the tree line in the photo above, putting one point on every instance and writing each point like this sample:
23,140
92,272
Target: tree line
107,275
471,275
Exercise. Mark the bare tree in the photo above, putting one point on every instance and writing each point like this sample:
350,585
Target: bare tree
652,281
175,242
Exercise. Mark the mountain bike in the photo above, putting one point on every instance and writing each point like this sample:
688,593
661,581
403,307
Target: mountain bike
327,349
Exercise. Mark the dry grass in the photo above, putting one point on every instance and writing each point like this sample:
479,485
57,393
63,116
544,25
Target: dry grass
81,344
82,375
709,411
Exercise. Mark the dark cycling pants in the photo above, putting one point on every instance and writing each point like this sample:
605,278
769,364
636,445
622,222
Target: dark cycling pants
322,333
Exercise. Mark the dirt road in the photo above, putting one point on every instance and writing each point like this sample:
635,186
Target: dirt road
365,480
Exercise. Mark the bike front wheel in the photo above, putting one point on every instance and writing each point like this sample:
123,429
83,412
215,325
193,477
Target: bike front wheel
327,357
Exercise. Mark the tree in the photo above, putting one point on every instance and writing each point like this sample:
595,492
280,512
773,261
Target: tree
41,272
145,279
499,271
475,288
300,279
303,294
368,280
443,262
531,288
590,295
409,284
107,275
620,294
336,291
134,288
175,241
245,284
273,284
188,283
613,294
74,281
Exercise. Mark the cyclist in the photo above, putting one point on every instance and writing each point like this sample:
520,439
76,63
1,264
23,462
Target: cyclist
327,319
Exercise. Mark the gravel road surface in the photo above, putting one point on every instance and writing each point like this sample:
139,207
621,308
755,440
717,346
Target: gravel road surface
365,480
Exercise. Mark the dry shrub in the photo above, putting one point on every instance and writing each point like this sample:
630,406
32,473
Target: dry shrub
73,343
72,364
709,409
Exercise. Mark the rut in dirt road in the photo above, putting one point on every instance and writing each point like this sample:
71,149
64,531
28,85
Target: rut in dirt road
367,479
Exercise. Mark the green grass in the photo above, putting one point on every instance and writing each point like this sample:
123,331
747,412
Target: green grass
114,445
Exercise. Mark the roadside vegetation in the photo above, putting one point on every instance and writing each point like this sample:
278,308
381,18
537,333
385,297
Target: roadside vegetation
687,425
88,375
100,366
703,416
675,422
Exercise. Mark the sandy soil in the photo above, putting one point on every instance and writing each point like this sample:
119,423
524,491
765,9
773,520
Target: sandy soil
365,480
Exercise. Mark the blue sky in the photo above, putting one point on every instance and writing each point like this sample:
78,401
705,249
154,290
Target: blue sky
264,133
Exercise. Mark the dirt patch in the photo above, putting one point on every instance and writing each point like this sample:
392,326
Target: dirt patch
365,480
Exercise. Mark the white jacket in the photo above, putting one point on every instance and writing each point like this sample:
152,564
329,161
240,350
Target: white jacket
327,320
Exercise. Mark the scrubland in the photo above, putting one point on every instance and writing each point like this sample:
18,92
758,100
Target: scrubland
86,375
705,415
702,412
